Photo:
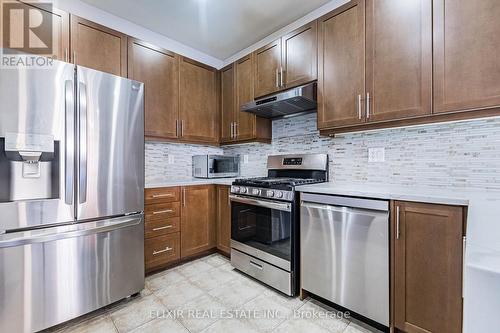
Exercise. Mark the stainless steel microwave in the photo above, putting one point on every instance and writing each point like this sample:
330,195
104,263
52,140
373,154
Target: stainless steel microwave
216,166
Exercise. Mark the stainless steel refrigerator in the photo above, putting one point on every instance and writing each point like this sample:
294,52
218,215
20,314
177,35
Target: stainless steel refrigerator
71,193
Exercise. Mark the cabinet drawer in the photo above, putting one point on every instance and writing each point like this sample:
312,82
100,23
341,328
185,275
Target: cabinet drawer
161,250
162,227
161,194
162,211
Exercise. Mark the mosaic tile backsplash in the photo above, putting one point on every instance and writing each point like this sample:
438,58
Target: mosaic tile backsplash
459,155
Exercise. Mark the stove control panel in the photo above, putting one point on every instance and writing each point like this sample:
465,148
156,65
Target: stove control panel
263,193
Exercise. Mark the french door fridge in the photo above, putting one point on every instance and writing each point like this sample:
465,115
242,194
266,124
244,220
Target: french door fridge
71,193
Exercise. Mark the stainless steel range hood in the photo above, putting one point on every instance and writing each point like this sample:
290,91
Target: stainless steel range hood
288,103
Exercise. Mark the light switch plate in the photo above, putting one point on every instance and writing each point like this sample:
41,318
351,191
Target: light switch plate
245,159
376,155
171,159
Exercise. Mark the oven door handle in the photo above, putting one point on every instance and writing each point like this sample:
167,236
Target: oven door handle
286,207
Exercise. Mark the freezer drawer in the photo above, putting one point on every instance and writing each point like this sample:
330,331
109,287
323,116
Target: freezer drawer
345,253
52,275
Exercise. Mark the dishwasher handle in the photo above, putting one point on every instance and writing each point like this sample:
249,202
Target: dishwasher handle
332,200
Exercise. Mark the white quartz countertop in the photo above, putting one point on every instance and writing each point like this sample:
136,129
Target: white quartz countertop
189,182
403,193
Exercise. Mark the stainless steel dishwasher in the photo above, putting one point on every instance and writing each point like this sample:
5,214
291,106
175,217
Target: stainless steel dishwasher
344,244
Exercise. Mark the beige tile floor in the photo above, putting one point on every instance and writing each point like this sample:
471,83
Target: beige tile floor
208,295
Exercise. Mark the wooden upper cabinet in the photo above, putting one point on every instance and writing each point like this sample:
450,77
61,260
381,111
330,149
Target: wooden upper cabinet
399,58
198,102
59,35
341,66
159,70
98,47
227,101
267,67
466,62
197,219
245,122
300,55
428,268
223,219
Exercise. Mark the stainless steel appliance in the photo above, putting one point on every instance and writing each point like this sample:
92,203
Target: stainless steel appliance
345,252
265,221
216,166
71,193
293,102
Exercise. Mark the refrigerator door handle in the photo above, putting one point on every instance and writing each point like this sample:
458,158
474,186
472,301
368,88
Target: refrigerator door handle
69,231
69,134
82,185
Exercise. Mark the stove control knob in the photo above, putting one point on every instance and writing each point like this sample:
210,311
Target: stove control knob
270,193
255,191
243,190
236,189
279,194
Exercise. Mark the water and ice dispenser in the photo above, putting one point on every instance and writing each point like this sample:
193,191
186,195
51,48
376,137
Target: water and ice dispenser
29,167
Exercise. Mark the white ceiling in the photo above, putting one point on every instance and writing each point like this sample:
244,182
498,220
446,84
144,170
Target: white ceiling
219,28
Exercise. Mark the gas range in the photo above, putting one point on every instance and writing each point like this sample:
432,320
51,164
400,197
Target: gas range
265,219
281,188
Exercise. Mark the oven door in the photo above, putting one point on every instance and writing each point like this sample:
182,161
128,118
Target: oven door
263,229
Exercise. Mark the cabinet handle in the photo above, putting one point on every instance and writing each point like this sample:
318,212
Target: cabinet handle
177,128
74,57
235,130
464,246
360,116
162,228
397,222
184,197
277,78
228,200
281,77
368,105
162,195
162,251
66,55
182,128
163,211
232,130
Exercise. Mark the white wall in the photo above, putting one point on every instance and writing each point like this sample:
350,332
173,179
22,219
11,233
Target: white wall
94,14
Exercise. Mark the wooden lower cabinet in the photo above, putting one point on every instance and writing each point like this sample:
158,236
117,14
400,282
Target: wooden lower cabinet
161,250
223,219
197,219
427,267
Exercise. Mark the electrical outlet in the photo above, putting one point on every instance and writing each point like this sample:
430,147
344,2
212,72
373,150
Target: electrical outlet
376,155
171,159
245,159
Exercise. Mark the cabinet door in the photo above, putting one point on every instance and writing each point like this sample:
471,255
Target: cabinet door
466,62
428,268
399,58
159,70
197,219
341,57
198,102
300,55
245,122
60,28
97,47
267,65
223,219
227,103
